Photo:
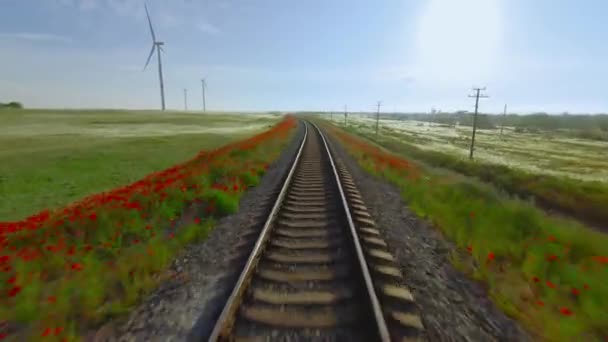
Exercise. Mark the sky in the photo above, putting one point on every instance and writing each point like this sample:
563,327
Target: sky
413,55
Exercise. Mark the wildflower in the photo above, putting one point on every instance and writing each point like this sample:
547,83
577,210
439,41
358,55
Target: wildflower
565,311
58,331
76,266
601,259
491,256
575,291
3,335
535,279
46,332
472,214
51,299
12,280
551,238
552,258
4,258
550,284
14,291
540,303
171,235
470,249
93,217
586,286
197,220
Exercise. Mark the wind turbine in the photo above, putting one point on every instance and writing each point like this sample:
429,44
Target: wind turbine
158,46
204,85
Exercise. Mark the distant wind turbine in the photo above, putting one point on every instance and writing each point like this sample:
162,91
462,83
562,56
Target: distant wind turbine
204,85
158,46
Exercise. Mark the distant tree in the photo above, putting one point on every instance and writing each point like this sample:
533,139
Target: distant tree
12,105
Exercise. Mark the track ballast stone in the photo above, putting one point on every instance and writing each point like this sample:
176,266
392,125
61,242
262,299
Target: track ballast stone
185,307
453,307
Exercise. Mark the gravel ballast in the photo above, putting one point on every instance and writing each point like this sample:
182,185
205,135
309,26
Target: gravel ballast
453,307
185,307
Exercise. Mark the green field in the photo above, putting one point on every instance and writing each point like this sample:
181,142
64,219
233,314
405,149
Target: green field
557,171
549,272
49,158
553,152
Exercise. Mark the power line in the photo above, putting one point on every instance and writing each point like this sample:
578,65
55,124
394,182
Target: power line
476,96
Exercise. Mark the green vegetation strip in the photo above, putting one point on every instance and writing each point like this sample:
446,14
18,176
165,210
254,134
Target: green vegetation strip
584,200
550,273
65,271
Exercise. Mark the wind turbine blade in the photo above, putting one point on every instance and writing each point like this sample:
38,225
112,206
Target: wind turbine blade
150,23
150,56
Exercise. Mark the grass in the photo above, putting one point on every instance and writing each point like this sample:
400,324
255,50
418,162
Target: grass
549,273
554,153
584,200
65,271
50,158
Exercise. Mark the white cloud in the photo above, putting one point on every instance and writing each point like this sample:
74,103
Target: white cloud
207,27
39,37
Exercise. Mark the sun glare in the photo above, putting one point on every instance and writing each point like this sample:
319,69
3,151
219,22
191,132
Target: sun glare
459,40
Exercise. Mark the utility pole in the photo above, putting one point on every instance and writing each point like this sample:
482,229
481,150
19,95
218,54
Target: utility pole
204,85
345,114
378,117
476,96
185,99
504,117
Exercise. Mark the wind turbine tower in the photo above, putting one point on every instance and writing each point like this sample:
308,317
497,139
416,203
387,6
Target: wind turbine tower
156,45
204,85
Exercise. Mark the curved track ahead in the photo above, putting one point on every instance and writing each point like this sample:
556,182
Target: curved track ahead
319,270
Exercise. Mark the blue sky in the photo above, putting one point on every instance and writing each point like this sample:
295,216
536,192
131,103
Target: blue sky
541,55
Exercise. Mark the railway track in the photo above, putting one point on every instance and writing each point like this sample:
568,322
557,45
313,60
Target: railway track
319,269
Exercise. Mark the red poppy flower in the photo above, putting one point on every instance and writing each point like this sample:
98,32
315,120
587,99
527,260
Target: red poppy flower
51,299
491,256
575,291
472,214
552,258
197,220
76,266
11,280
601,259
586,286
58,331
470,249
3,335
565,311
550,284
540,303
536,279
14,291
